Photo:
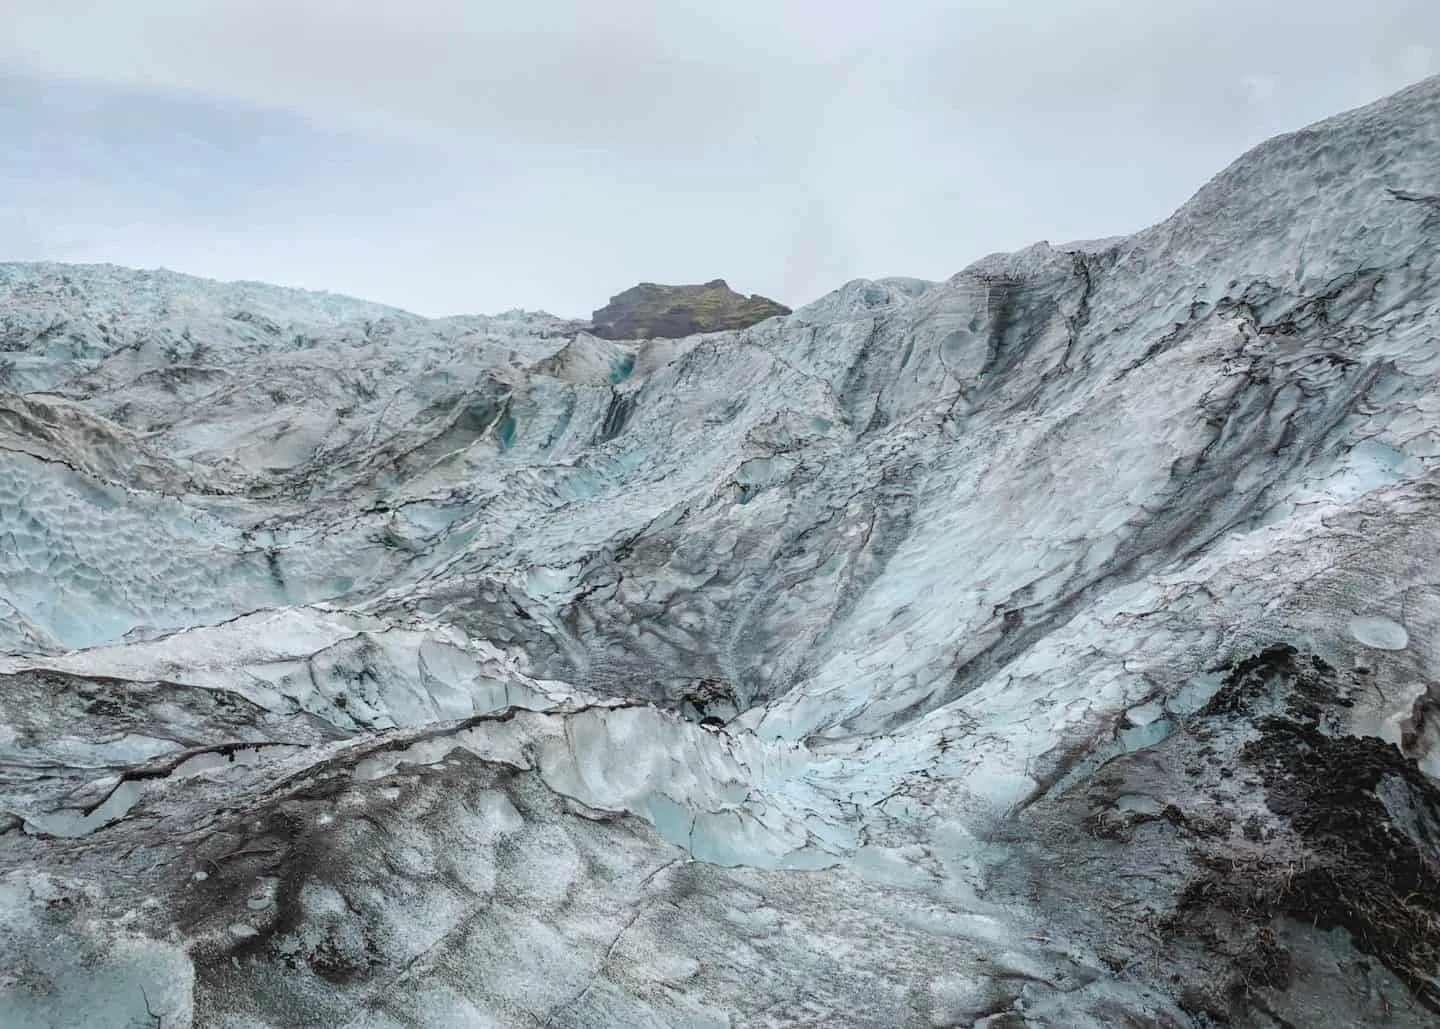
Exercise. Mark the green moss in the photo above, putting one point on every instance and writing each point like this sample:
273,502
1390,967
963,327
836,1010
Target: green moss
654,311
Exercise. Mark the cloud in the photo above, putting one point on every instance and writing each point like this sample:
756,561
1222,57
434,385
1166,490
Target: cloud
464,155
569,72
652,74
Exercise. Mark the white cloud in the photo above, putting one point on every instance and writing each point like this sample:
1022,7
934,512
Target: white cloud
551,152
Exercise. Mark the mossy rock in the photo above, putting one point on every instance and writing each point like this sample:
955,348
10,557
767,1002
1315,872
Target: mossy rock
653,311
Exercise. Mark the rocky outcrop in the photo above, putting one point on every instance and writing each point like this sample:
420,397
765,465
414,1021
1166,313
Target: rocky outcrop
653,311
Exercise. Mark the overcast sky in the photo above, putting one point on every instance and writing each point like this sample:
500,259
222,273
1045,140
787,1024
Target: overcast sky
455,156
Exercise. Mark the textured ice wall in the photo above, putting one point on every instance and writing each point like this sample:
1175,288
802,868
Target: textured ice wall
882,664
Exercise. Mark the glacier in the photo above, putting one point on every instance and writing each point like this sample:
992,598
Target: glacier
1052,646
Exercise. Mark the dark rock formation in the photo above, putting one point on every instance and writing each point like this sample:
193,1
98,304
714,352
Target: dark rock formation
651,311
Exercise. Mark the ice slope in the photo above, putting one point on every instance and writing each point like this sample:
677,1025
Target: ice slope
1050,646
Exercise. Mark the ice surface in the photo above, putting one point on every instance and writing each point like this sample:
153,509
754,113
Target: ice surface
1380,633
367,670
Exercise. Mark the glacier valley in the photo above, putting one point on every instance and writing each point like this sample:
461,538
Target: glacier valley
1054,646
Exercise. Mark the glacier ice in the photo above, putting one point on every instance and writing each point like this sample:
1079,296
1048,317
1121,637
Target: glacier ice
940,654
